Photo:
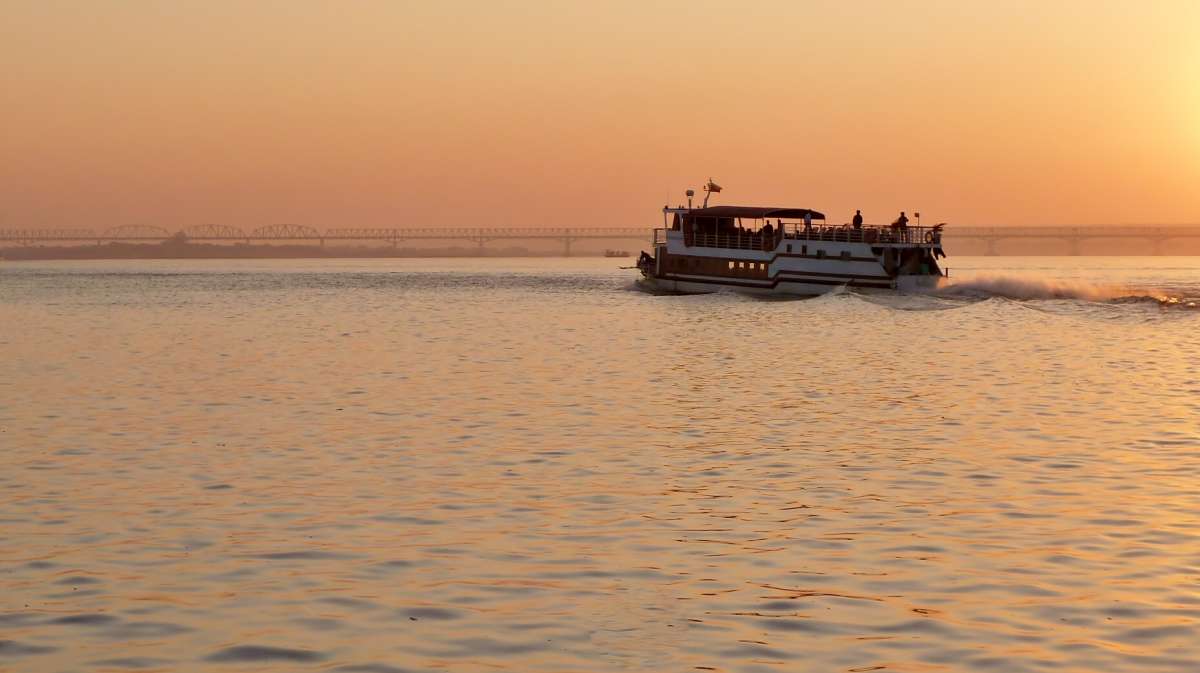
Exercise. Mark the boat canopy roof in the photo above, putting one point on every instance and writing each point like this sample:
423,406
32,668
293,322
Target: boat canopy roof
753,212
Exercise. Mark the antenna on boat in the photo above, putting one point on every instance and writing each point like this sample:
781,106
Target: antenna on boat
709,189
690,194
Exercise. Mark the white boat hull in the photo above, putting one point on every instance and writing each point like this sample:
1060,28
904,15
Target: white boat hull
785,288
795,267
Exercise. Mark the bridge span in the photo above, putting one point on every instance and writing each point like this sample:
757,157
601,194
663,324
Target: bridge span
299,233
1073,236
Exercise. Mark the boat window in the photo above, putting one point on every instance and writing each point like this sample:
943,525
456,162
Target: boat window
804,250
820,254
731,264
845,254
789,247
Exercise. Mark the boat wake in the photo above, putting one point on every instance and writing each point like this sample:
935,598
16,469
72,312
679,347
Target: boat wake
1026,288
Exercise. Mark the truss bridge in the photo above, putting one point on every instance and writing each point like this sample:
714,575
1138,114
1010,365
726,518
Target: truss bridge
1160,237
299,233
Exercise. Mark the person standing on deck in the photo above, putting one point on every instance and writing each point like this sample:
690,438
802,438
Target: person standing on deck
857,219
807,224
900,227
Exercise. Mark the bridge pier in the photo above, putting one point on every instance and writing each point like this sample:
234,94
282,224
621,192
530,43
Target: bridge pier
1073,246
991,247
566,247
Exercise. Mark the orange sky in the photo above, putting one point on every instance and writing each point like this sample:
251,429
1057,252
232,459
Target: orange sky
393,113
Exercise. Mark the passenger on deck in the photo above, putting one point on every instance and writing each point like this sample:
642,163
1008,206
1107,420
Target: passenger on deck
901,222
857,219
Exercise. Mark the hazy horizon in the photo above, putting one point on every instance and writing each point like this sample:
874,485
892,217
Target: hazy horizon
521,114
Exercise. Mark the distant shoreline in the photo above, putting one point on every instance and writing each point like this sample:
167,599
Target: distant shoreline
173,250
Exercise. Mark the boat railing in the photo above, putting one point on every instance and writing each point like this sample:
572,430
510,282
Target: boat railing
881,234
736,241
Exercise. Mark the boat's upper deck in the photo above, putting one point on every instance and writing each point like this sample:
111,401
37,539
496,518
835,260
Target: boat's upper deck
770,238
759,228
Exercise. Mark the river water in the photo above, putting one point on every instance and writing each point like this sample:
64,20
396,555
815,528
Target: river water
376,466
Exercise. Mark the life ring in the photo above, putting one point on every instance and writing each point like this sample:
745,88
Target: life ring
929,237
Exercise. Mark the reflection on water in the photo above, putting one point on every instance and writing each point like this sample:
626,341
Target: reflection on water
520,465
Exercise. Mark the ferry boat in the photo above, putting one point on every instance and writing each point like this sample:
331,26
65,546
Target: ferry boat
784,251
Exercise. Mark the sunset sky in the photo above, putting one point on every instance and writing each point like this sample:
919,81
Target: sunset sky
375,113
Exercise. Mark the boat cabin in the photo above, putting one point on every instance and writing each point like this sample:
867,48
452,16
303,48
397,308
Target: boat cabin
744,227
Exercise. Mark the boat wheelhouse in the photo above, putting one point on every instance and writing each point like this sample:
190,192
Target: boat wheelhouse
786,251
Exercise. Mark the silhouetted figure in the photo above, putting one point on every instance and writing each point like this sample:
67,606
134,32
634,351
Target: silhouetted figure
857,219
902,221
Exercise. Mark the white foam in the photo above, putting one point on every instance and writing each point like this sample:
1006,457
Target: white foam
1032,287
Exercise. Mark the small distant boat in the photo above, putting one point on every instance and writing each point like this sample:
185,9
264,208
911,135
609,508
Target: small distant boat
781,251
616,253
